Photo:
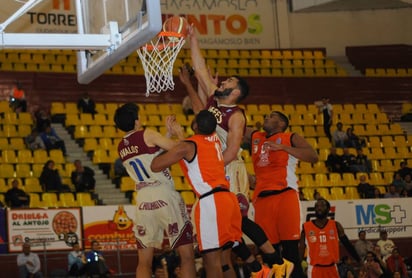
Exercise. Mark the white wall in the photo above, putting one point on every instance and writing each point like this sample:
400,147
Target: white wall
336,30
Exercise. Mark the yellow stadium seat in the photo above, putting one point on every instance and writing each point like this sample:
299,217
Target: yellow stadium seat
323,142
127,184
337,193
324,192
90,144
67,200
36,169
321,180
110,131
72,120
57,108
386,165
335,179
84,199
95,131
3,186
376,179
7,171
10,130
306,180
40,156
10,118
376,153
81,131
57,156
101,156
50,199
188,197
24,130
100,119
305,168
35,201
24,156
23,170
25,118
32,184
352,192
86,119
349,179
308,192
71,108
17,143
387,141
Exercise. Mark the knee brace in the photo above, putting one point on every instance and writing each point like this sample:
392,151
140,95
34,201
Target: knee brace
253,231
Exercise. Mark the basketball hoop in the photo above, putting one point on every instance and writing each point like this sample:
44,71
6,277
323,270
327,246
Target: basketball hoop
158,57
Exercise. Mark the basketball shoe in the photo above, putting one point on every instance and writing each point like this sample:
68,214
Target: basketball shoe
283,270
265,272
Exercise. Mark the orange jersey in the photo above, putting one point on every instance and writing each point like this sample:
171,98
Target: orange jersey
322,243
207,170
275,170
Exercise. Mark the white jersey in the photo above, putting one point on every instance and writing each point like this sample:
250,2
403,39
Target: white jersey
137,157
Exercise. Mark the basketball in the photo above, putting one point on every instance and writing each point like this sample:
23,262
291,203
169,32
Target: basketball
176,24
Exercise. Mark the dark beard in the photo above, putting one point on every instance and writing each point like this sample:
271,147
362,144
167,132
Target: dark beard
321,215
225,93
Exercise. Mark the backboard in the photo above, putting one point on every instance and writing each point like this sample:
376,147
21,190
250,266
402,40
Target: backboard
135,23
108,30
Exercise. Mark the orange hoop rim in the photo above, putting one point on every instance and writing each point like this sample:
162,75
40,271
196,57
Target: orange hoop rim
161,46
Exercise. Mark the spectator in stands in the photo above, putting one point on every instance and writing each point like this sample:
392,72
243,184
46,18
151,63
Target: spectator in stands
18,98
372,267
339,136
119,171
398,182
334,161
29,263
76,261
50,179
96,263
395,263
34,141
408,184
86,104
386,245
15,197
377,194
392,192
82,177
365,190
362,245
379,257
353,140
404,169
362,163
327,110
348,162
42,120
346,268
52,141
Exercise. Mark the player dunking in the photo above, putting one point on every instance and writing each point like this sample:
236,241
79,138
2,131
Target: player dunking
156,191
222,102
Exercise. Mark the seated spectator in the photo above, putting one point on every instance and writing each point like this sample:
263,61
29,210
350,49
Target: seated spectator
362,245
86,104
15,197
346,268
404,169
372,267
96,263
51,140
82,177
386,245
29,263
119,171
42,120
334,161
377,194
34,141
353,140
348,161
392,192
395,263
76,261
408,184
365,190
362,163
403,194
398,182
339,136
50,179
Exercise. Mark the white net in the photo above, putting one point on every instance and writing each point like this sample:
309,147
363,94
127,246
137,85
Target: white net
158,57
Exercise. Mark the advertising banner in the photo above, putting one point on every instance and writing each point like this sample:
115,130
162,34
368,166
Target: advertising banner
370,215
54,229
240,24
111,226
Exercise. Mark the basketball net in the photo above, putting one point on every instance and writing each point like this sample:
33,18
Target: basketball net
158,57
